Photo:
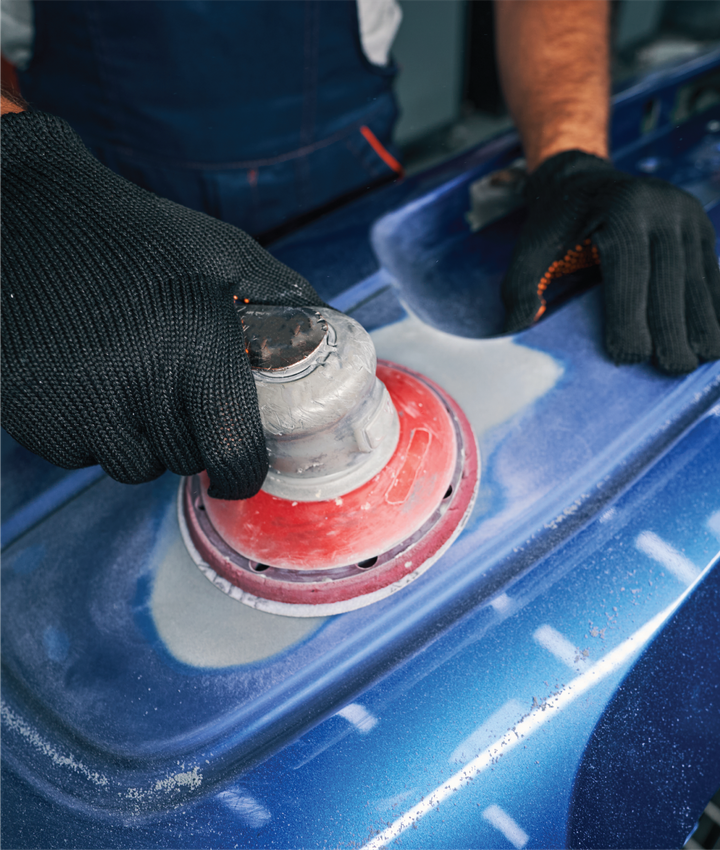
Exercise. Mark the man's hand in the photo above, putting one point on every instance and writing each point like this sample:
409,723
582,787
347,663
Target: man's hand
655,245
120,339
656,248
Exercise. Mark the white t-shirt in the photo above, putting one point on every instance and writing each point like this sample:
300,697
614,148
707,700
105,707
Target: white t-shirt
379,23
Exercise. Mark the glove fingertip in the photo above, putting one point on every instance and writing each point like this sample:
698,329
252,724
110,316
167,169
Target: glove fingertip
673,345
238,478
712,278
625,353
232,494
522,317
707,345
677,364
624,358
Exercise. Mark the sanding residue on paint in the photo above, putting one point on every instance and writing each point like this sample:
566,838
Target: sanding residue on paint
491,379
204,627
182,780
33,737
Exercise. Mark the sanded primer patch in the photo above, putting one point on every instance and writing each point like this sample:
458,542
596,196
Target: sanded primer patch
204,627
491,379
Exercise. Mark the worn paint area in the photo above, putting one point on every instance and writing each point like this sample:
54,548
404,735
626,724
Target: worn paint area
204,627
491,379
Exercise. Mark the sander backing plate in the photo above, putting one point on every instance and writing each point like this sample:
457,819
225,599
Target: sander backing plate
310,559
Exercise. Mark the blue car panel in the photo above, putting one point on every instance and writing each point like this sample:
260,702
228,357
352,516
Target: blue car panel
551,681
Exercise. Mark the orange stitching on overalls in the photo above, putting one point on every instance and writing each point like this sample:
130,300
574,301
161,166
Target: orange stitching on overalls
384,154
580,257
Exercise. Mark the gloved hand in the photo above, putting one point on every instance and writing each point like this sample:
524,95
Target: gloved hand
656,249
120,340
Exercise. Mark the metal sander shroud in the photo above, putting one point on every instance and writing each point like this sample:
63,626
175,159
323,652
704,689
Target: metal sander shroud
373,473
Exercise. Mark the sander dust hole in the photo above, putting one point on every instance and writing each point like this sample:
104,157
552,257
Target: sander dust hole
369,562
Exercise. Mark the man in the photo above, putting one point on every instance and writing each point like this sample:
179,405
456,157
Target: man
120,341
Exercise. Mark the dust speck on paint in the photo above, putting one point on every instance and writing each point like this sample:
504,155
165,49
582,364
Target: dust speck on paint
189,779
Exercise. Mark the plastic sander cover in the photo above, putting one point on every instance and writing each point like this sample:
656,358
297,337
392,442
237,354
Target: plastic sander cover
306,557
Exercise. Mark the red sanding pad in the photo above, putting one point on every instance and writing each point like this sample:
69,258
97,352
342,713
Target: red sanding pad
313,558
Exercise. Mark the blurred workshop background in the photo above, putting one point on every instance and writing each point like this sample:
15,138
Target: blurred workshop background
448,87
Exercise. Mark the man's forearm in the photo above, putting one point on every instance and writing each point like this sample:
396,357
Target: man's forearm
553,57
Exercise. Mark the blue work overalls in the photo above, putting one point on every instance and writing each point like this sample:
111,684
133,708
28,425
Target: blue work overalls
255,112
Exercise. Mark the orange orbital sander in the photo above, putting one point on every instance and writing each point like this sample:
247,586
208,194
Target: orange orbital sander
373,473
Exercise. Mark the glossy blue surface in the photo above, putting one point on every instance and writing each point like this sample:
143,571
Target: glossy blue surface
579,606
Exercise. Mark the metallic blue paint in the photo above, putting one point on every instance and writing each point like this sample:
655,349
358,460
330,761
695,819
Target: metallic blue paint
579,605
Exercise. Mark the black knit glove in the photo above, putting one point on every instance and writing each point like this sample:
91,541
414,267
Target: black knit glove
656,247
120,342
